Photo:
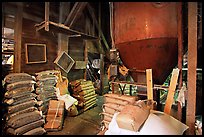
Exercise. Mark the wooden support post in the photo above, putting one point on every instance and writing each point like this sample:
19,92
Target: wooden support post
85,58
171,91
130,90
149,84
192,64
91,11
112,85
102,74
47,13
18,37
63,39
180,55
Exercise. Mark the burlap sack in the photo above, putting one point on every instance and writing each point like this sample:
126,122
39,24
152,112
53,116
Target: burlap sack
56,107
106,116
117,107
115,101
15,77
108,110
54,123
130,99
63,86
132,117
20,84
36,131
23,119
23,129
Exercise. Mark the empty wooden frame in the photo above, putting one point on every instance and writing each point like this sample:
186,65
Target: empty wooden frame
35,53
64,61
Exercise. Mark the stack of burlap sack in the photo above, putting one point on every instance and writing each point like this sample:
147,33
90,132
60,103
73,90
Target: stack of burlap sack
114,103
84,92
23,117
55,115
46,88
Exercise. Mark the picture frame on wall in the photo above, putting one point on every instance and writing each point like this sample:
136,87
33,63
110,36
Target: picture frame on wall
35,53
64,61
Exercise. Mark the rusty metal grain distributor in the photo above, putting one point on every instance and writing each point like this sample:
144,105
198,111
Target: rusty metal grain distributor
19,92
20,84
23,119
15,77
23,129
146,39
36,131
19,107
27,110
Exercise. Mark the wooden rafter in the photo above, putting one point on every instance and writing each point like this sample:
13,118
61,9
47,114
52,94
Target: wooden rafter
74,13
91,11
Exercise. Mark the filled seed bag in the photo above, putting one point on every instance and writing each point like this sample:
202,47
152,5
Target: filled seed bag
132,117
15,77
20,84
23,119
22,106
21,91
23,129
36,131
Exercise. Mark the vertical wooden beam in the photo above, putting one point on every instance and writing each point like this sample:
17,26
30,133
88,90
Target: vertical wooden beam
47,13
192,64
18,38
149,84
91,11
180,54
102,73
85,58
171,91
63,40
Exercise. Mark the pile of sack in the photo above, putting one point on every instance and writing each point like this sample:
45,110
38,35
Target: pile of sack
55,115
84,92
114,103
45,88
22,117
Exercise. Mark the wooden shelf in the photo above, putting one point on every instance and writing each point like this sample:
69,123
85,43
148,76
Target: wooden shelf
7,52
60,28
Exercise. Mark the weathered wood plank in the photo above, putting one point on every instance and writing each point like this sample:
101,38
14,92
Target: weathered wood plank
18,38
171,91
74,13
80,65
149,84
192,64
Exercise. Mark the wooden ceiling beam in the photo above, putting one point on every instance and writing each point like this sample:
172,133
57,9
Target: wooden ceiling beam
74,13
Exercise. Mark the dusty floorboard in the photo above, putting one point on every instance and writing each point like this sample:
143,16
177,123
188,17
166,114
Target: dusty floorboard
87,123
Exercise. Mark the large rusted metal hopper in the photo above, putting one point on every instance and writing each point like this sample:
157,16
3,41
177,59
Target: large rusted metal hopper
145,33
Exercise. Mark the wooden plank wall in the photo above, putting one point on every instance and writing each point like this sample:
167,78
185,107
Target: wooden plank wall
29,35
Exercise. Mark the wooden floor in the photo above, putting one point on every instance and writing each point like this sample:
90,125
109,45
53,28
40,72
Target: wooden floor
86,123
